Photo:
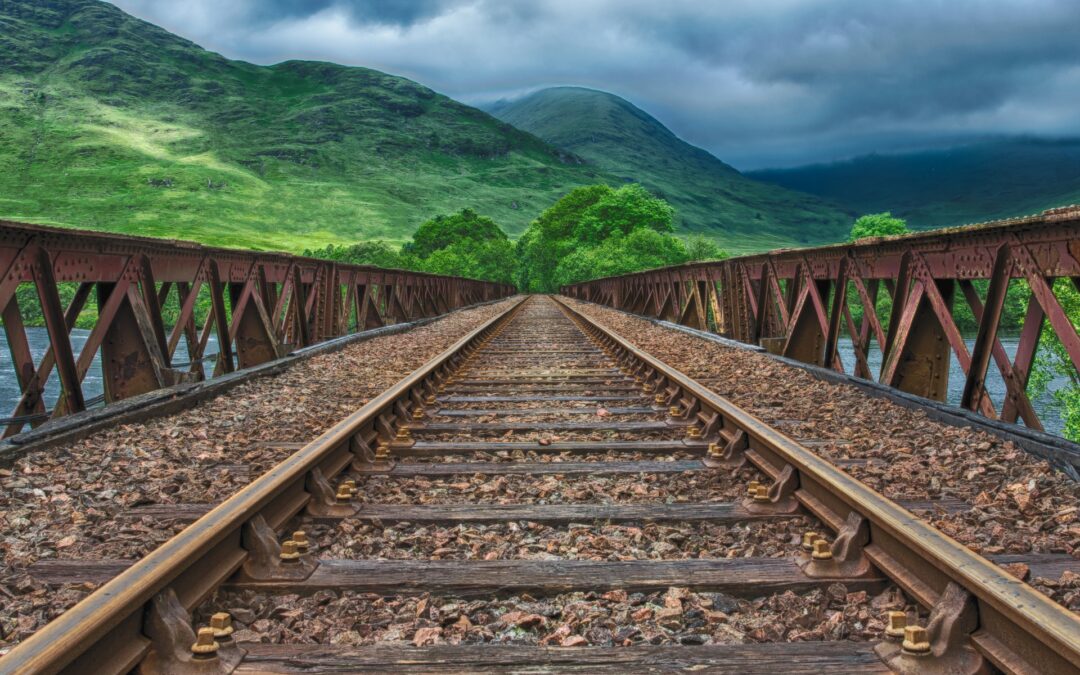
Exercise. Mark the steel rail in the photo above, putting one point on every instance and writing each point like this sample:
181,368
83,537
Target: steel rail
1019,629
103,632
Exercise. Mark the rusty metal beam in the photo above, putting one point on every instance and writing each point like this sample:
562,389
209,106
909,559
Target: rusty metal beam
260,306
920,271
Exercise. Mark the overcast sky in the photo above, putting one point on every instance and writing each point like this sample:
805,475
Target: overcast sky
756,82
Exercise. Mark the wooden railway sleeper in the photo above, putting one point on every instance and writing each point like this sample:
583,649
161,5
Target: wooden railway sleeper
176,649
944,646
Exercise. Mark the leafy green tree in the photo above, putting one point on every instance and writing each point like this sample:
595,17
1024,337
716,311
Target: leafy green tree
550,237
376,253
463,244
642,248
566,234
620,211
1053,365
877,225
700,247
448,230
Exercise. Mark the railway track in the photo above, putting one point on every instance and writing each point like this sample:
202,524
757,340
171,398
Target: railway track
544,419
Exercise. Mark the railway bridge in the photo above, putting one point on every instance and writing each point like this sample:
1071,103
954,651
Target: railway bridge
830,459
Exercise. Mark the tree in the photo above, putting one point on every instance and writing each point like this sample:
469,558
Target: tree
700,247
375,253
642,249
585,230
463,244
448,230
620,211
877,225
1054,370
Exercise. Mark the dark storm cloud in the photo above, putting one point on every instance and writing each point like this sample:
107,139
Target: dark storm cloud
758,82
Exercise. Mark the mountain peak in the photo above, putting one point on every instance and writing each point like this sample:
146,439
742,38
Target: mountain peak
710,196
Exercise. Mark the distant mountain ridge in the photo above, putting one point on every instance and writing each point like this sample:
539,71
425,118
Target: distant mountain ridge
710,196
953,186
109,122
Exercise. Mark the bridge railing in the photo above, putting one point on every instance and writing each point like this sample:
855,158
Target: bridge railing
798,303
256,306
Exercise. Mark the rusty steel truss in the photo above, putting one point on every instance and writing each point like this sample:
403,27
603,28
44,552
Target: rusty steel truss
797,303
261,306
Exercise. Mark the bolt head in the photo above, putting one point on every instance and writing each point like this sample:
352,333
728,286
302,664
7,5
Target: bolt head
761,494
693,432
714,449
808,540
896,623
822,550
205,644
290,551
675,411
751,488
916,640
221,624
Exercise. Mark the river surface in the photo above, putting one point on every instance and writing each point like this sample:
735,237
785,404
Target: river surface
92,385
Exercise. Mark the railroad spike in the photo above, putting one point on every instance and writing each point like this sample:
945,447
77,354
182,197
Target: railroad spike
265,562
177,649
778,498
326,502
403,438
733,456
365,460
943,645
844,558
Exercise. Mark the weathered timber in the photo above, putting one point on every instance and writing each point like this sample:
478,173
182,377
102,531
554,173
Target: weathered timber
528,412
470,428
740,577
434,448
551,576
718,512
791,658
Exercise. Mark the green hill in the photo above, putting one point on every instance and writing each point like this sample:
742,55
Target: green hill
710,196
111,123
965,184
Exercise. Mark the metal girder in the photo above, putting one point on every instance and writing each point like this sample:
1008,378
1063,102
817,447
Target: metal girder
258,305
798,302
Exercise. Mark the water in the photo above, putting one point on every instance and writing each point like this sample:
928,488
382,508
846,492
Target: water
92,384
1048,410
38,339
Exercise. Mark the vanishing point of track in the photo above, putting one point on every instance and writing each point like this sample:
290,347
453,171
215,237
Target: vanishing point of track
516,391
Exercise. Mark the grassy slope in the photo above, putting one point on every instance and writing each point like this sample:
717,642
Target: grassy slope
111,123
711,197
961,185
